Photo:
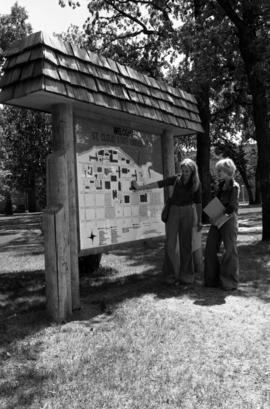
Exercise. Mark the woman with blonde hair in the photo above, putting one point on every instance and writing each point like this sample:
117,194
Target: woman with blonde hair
226,273
179,226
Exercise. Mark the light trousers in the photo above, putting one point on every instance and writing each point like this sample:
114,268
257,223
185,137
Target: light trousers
226,272
178,247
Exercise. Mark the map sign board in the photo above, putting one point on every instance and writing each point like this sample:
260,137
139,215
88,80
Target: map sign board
108,159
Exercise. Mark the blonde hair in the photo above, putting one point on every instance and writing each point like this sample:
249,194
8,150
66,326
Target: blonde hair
194,177
227,165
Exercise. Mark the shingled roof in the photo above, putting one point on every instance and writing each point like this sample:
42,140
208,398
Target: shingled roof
41,71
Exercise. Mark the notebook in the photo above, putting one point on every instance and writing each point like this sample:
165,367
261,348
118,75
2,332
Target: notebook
215,210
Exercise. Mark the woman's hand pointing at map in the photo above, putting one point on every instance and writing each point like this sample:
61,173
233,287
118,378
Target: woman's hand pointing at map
134,185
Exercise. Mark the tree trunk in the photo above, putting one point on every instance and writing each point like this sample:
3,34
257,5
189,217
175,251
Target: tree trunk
8,204
250,194
251,49
254,69
264,171
247,185
258,195
31,191
203,140
32,200
203,145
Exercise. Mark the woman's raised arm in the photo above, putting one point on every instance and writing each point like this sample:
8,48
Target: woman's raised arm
135,186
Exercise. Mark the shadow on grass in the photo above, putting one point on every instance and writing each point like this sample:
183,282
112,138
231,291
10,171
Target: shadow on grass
255,270
23,384
26,290
254,279
27,386
21,292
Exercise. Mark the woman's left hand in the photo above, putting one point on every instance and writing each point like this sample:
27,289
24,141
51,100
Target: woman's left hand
134,185
212,220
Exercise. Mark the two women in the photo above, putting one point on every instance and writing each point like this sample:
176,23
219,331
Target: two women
178,263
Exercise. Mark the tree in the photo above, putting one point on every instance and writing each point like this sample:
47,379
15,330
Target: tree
251,23
143,34
248,28
211,67
25,135
233,130
219,72
140,53
203,42
13,27
5,175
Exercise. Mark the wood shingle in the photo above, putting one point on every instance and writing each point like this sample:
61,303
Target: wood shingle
45,66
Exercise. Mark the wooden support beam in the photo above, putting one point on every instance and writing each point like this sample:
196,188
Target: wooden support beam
167,143
65,139
61,191
56,238
57,265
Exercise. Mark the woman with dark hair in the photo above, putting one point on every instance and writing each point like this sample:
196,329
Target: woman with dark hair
178,262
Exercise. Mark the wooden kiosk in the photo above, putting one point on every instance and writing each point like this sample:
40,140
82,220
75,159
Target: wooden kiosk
111,124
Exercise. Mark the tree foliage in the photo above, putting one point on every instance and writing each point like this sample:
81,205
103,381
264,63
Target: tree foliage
13,26
24,134
27,137
251,25
148,36
142,34
225,43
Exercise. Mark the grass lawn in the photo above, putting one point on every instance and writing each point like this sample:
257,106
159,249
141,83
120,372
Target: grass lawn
138,345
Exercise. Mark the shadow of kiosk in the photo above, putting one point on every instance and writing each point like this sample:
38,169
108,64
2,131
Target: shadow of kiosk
111,124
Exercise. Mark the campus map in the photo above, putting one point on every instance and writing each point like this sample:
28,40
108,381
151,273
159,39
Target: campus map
109,211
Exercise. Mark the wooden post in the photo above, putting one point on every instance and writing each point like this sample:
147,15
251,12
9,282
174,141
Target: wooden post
57,264
56,237
167,143
167,140
64,139
61,191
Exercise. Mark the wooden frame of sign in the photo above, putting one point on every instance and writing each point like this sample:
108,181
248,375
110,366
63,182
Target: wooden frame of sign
61,221
110,215
44,73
